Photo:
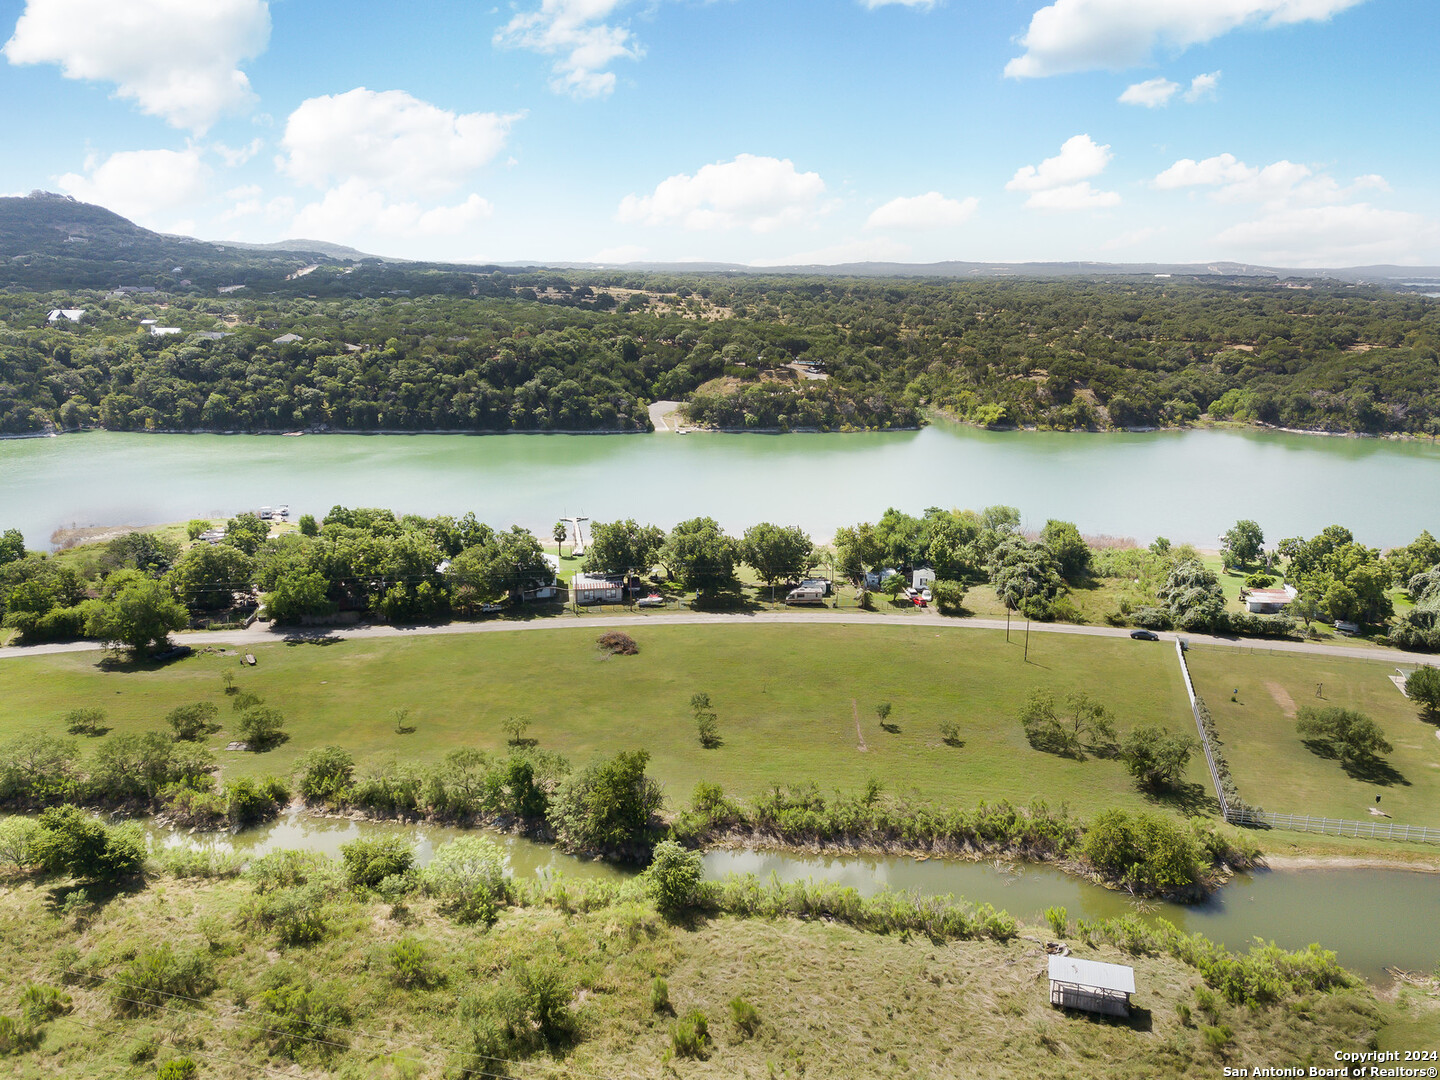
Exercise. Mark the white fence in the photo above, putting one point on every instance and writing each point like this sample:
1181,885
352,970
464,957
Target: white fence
1369,830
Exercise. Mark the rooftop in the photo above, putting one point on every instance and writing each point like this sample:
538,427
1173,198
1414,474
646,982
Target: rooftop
1115,977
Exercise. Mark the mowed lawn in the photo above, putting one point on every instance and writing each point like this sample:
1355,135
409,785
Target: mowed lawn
1274,768
787,699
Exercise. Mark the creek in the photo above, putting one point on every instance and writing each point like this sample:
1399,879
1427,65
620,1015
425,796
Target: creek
1373,919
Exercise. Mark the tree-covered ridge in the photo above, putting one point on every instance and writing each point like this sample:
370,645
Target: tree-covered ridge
461,349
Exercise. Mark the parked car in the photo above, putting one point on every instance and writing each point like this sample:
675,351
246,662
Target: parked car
1144,635
925,595
653,600
491,609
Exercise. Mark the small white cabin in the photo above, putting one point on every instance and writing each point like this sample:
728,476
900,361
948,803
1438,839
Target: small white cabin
1091,985
922,578
597,589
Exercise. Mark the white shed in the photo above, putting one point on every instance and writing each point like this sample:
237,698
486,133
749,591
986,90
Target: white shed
1091,985
597,589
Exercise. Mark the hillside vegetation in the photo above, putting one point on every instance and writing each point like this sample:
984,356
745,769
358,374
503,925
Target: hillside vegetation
391,346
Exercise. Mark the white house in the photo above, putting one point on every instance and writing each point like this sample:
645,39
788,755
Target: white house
164,331
288,339
73,314
597,588
1269,601
922,578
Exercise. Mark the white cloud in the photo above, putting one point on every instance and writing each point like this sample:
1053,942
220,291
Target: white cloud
1281,183
352,208
1187,172
758,193
388,141
1203,87
1152,93
1080,157
1079,196
576,34
1357,233
1081,35
929,211
234,157
143,185
1059,183
176,59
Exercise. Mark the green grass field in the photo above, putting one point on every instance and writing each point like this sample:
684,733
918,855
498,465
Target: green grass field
787,698
1271,764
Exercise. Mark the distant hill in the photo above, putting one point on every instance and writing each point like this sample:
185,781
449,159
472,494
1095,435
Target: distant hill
50,241
309,247
53,242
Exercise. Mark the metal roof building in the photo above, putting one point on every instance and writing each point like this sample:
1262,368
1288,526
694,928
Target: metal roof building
1091,985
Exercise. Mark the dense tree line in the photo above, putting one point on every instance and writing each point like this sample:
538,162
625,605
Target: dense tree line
480,351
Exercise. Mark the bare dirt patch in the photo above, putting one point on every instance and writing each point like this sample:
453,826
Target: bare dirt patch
1282,698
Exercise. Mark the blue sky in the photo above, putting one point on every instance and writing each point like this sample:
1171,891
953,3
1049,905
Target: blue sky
1284,132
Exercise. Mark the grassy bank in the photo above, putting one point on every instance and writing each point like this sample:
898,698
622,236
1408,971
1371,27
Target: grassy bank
1273,767
405,992
793,704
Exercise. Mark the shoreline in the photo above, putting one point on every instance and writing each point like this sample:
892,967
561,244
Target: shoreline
1203,425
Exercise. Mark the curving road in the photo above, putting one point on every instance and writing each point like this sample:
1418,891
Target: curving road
929,618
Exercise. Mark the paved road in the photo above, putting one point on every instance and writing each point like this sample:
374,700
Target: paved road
262,635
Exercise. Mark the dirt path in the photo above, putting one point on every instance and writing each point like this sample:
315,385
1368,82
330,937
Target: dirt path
859,735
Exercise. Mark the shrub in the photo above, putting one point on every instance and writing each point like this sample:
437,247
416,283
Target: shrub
467,875
17,1037
261,726
85,722
691,1035
195,721
286,869
527,1010
1217,1038
708,730
184,862
515,727
673,878
17,837
181,1068
950,733
325,774
745,1016
1145,852
298,916
1157,758
302,1018
249,801
72,841
1058,920
949,597
161,977
40,1004
369,861
659,995
608,806
411,966
616,643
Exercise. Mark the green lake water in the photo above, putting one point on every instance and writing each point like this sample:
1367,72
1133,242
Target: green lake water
1187,485
1372,919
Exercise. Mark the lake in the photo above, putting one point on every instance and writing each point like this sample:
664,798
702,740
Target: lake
1187,485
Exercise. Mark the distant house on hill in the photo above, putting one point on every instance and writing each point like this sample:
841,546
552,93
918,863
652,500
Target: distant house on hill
288,339
164,331
210,335
73,314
